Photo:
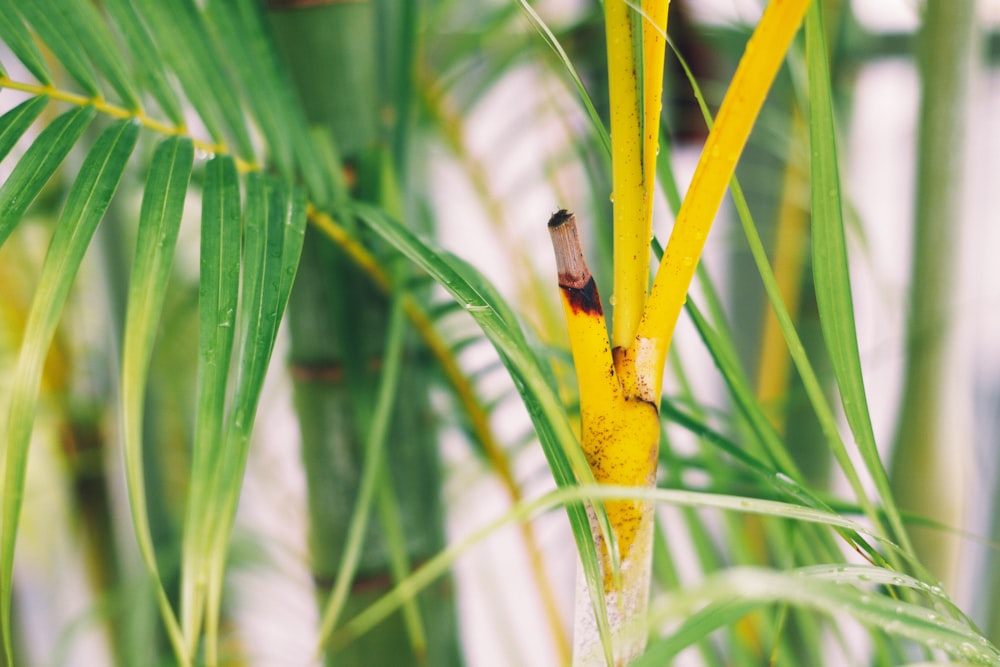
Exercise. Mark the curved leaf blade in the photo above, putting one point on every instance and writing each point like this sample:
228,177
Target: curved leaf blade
496,319
159,222
38,164
243,38
148,63
16,36
830,268
274,230
218,291
16,121
750,588
89,197
95,38
180,31
64,43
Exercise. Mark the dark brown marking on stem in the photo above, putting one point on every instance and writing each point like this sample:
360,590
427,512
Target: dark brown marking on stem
584,299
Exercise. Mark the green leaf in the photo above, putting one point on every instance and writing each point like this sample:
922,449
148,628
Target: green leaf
15,35
16,121
64,43
726,360
810,588
93,35
88,198
496,319
241,36
274,230
571,496
830,270
159,222
218,291
149,63
595,118
372,468
38,164
179,29
278,111
273,235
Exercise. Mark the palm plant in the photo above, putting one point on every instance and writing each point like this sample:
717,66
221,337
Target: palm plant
207,171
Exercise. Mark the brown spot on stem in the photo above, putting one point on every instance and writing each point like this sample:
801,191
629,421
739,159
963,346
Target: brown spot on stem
584,299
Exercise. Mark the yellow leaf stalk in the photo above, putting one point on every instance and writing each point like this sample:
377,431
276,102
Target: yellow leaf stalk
635,44
619,433
620,379
763,56
620,436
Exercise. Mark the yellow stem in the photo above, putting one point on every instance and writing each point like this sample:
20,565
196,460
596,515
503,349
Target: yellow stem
139,115
619,436
654,34
629,186
763,56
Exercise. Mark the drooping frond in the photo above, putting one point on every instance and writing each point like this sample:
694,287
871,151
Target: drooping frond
144,71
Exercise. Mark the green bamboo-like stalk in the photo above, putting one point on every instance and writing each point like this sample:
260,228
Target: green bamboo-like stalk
930,443
338,323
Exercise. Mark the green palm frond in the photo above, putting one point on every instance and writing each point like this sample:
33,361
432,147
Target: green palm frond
125,124
200,49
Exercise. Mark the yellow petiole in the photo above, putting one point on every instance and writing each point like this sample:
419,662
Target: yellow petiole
619,433
763,56
620,379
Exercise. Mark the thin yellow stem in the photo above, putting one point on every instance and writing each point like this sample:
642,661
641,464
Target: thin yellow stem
629,185
654,33
760,63
588,334
619,436
138,115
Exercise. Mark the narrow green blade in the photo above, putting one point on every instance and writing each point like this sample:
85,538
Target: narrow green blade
88,198
218,289
496,319
550,39
63,42
93,34
241,32
371,472
16,121
830,269
721,596
179,29
241,36
148,63
159,221
274,229
38,164
264,286
16,36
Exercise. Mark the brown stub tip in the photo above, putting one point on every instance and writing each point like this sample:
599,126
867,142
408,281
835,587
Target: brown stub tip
559,217
565,237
